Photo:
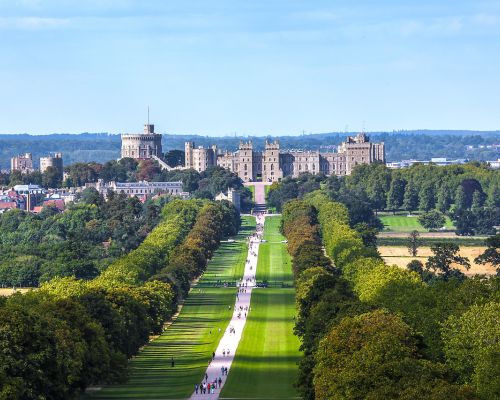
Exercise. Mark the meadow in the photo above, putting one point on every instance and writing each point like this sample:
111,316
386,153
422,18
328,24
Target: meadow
404,223
398,255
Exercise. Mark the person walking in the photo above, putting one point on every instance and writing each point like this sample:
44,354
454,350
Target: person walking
196,388
220,382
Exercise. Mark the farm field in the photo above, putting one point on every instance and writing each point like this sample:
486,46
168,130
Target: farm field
403,223
265,365
10,291
399,256
191,338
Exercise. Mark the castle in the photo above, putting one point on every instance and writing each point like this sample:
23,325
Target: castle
142,145
272,164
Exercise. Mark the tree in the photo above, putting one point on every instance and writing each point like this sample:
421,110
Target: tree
374,356
427,198
472,347
477,200
175,158
432,220
491,254
410,199
51,178
446,254
147,170
460,199
470,186
465,222
443,199
395,196
416,266
413,243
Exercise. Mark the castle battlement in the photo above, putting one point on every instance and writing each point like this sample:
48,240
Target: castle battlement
273,164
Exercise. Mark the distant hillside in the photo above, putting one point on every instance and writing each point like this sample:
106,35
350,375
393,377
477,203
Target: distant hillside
101,147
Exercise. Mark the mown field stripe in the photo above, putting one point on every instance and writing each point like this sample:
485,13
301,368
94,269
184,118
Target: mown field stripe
265,365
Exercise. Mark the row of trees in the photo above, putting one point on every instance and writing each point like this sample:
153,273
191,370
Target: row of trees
69,334
370,330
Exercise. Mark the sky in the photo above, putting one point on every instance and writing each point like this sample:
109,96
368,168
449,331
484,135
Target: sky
248,67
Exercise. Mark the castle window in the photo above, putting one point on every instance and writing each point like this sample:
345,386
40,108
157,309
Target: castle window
272,167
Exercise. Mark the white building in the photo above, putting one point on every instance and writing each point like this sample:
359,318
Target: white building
232,196
139,189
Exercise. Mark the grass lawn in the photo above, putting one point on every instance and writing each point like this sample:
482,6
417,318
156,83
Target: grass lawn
272,229
228,263
252,189
266,189
266,360
274,261
402,223
191,339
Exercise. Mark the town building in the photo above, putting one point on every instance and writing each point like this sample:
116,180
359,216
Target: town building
273,164
142,146
22,162
231,195
139,189
53,160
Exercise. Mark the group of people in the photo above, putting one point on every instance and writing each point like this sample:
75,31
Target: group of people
208,387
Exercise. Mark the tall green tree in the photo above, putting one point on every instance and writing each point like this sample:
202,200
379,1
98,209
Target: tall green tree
472,348
395,196
444,199
413,243
446,254
426,197
410,199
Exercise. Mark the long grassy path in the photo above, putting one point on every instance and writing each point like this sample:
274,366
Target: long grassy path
265,365
192,338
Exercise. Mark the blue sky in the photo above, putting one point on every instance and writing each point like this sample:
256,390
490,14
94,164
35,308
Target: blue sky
248,66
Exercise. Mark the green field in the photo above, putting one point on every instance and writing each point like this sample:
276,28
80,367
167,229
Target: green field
192,338
266,189
252,189
402,223
265,365
274,261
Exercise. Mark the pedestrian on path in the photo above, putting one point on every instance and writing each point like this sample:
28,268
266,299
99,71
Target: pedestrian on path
220,381
196,388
